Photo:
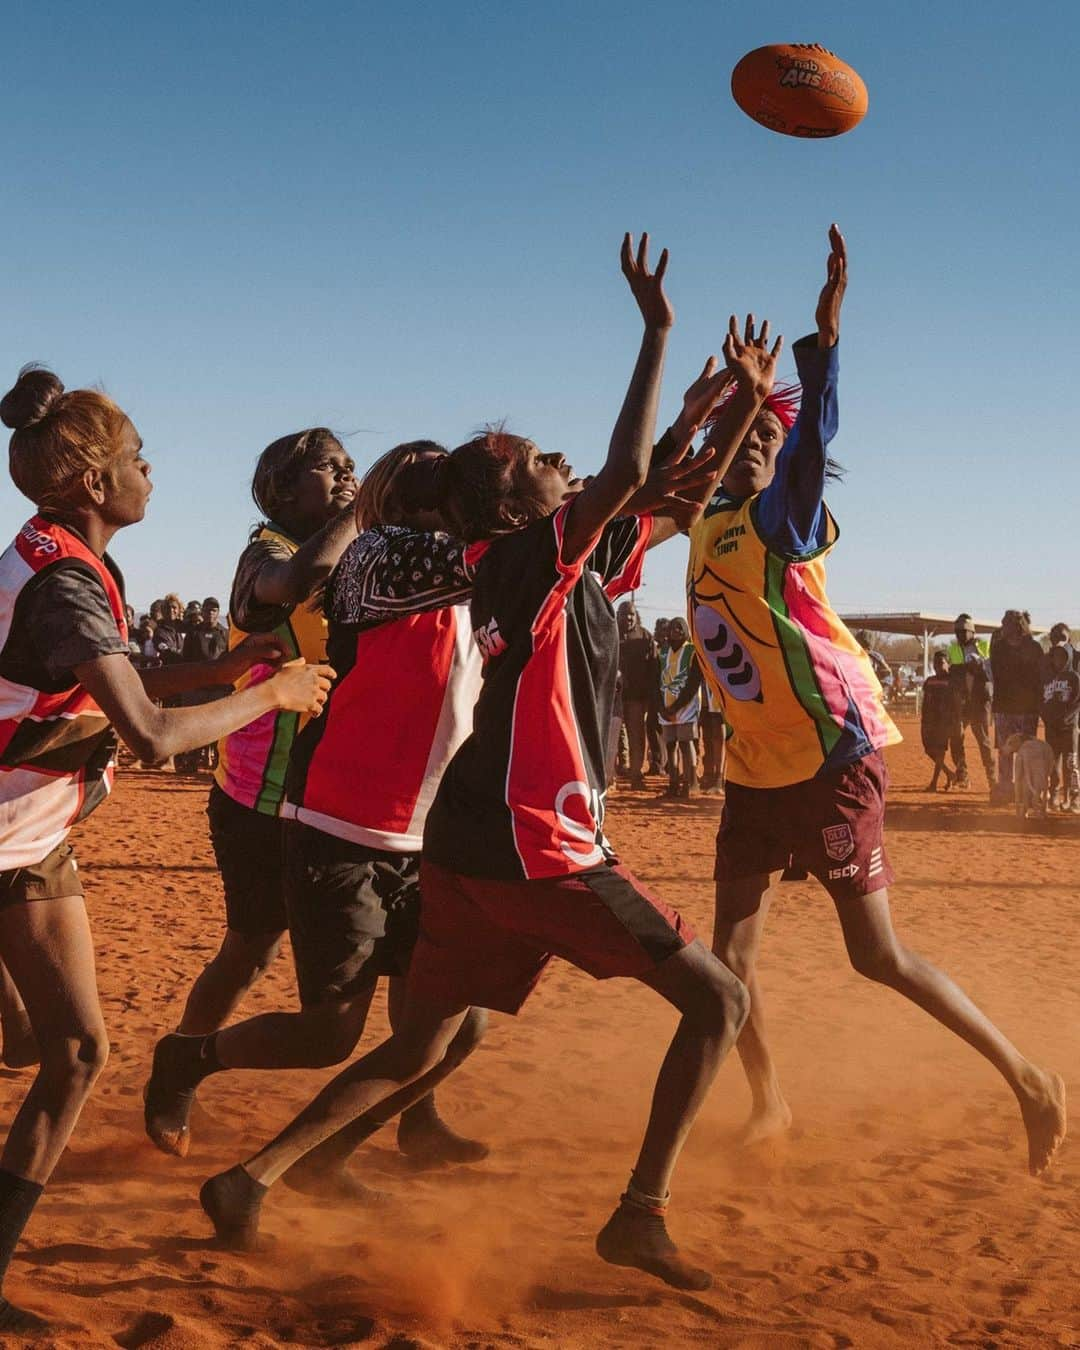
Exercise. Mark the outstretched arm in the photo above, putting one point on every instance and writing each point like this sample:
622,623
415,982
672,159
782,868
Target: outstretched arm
789,511
751,364
631,442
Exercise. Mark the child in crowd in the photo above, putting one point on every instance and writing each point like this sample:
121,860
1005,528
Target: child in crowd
940,720
680,705
1060,715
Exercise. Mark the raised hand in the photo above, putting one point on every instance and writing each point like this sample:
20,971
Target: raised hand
827,314
701,398
680,487
648,287
749,358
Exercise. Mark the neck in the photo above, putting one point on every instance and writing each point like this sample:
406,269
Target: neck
89,524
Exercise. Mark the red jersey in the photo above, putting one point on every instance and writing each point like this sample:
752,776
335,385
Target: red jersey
408,674
524,796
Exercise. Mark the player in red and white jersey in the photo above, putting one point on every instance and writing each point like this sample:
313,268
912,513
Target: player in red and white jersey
516,865
66,681
359,784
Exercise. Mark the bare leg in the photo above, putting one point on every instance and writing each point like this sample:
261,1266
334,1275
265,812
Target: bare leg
877,953
20,1047
742,907
47,947
240,962
714,1005
313,1038
322,1170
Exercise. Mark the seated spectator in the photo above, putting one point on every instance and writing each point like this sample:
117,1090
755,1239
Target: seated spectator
940,720
1016,663
1061,714
680,703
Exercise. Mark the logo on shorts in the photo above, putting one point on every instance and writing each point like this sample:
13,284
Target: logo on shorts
839,842
844,873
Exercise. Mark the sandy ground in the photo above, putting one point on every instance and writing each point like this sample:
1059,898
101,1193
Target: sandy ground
898,1213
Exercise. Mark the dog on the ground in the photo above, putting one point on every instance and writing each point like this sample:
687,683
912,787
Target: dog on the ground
1032,762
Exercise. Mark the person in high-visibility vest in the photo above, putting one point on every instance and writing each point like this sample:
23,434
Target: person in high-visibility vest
969,674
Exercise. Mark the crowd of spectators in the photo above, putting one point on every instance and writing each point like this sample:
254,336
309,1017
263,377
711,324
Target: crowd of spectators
170,633
1000,689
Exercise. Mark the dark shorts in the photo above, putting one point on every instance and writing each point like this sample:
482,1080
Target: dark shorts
248,849
486,943
53,878
831,827
354,912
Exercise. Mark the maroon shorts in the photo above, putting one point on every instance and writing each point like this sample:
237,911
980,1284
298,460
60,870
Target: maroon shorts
831,826
486,943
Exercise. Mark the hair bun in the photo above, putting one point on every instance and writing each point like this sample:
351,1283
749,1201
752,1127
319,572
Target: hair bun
32,398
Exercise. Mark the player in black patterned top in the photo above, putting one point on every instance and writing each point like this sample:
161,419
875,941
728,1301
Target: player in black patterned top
519,816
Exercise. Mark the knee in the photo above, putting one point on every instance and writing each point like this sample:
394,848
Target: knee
727,1007
330,1036
883,965
469,1035
76,1060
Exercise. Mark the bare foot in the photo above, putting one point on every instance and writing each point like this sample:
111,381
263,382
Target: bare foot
1042,1105
769,1122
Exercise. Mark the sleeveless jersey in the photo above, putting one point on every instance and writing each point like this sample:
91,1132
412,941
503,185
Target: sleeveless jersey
252,761
798,692
368,768
57,749
676,665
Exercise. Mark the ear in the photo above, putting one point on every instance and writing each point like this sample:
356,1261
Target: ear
512,515
93,485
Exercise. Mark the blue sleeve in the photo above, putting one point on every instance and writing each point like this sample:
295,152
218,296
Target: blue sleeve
789,512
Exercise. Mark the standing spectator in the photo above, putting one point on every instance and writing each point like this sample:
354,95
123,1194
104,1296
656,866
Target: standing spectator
144,634
969,672
192,615
1060,634
169,634
157,611
1060,714
714,734
658,756
637,666
941,725
680,703
882,669
1016,663
207,639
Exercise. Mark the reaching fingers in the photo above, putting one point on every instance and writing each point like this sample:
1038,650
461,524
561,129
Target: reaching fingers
626,255
763,336
643,254
661,266
778,347
748,335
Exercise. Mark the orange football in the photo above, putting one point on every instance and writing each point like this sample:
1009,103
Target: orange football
799,89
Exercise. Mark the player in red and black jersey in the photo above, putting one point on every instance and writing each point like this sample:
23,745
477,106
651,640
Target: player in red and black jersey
516,867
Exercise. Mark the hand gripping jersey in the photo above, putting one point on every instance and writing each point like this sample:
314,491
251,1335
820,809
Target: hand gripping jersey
524,796
797,690
252,761
676,667
57,749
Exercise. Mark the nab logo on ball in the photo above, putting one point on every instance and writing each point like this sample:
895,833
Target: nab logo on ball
799,89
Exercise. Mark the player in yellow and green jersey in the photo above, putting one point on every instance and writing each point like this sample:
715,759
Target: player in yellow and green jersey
806,777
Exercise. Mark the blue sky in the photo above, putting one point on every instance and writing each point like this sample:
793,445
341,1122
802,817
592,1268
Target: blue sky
403,220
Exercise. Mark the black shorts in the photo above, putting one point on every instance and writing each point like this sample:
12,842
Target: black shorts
53,878
830,826
248,849
354,912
